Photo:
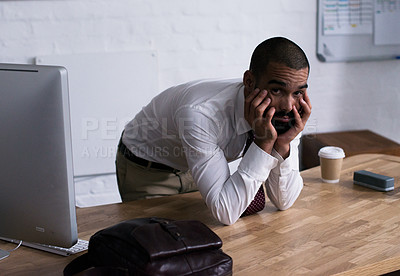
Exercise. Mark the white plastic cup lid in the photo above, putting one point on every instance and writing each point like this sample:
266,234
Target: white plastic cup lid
331,152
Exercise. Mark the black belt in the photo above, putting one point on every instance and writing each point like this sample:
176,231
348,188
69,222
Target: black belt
143,162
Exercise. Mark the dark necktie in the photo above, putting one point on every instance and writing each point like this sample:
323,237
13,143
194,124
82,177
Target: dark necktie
258,202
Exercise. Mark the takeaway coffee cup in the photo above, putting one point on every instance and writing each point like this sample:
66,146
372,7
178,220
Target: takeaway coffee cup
331,163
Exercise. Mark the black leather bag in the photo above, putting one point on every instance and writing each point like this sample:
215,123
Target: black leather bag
153,246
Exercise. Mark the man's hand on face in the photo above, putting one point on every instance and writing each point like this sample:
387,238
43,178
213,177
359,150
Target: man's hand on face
259,115
256,104
282,144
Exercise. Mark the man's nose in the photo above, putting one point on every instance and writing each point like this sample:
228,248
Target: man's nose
287,103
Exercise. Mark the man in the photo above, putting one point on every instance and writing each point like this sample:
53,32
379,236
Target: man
183,140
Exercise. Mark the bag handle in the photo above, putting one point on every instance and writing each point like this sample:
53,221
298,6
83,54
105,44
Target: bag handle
172,229
168,226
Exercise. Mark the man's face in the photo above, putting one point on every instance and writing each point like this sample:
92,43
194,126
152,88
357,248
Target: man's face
285,86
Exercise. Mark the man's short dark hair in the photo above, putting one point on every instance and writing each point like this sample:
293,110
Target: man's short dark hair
280,50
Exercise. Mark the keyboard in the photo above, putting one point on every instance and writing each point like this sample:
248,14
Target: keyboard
80,246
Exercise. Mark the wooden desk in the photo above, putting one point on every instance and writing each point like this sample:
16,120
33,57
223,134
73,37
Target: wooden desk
331,229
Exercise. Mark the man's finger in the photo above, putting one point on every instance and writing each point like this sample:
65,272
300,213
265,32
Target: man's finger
262,107
270,114
307,100
306,110
254,105
249,99
259,98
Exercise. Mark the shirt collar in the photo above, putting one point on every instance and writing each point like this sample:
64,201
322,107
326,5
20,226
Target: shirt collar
242,126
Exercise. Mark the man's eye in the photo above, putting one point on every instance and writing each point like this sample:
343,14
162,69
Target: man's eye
275,91
298,93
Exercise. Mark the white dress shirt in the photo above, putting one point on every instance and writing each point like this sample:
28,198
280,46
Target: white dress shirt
200,126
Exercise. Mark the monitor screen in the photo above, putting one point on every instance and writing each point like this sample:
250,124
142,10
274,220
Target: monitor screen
37,198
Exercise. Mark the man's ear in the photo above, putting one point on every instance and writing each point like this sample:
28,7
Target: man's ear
249,81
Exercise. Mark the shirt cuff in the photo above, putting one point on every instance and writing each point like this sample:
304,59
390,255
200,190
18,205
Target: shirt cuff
257,163
285,166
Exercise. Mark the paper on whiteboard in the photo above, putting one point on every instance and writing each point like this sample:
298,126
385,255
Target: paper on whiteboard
387,22
347,17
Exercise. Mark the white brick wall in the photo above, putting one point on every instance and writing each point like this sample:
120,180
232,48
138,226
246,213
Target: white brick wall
98,190
206,38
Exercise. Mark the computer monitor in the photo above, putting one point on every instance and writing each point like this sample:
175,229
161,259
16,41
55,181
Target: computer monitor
37,198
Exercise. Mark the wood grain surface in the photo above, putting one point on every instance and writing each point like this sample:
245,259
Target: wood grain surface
341,228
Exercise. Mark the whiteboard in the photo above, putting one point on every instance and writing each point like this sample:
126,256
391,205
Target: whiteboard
355,30
106,91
